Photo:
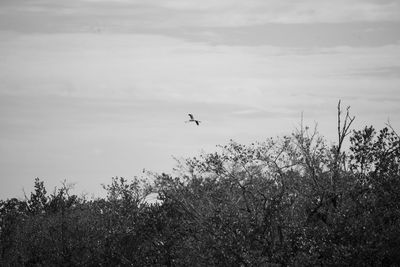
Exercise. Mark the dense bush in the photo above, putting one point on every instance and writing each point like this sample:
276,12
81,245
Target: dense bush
290,201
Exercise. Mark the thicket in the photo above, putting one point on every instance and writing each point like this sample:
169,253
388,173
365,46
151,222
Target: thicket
289,201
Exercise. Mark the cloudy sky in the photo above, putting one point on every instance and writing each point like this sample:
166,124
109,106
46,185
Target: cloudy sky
91,89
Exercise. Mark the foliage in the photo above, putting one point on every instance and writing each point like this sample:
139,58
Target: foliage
289,201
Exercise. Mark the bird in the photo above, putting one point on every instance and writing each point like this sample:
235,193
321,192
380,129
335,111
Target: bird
192,119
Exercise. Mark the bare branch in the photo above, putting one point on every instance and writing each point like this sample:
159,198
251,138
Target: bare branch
388,124
338,117
343,131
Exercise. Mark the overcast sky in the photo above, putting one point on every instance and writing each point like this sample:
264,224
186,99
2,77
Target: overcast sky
91,89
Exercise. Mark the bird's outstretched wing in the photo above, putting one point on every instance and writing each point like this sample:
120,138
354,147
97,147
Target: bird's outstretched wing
191,116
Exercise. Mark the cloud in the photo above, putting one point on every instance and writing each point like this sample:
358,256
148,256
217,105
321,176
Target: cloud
128,16
298,35
294,24
257,113
256,12
384,72
140,67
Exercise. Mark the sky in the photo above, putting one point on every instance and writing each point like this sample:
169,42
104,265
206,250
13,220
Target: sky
93,89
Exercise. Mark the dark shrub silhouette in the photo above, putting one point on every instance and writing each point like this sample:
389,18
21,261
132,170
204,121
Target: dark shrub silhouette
289,201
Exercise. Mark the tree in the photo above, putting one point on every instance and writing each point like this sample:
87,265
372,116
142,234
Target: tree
375,165
287,201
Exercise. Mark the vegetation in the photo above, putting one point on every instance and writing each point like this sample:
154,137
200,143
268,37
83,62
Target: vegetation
289,201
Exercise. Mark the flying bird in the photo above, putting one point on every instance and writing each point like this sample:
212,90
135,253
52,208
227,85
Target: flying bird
193,120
